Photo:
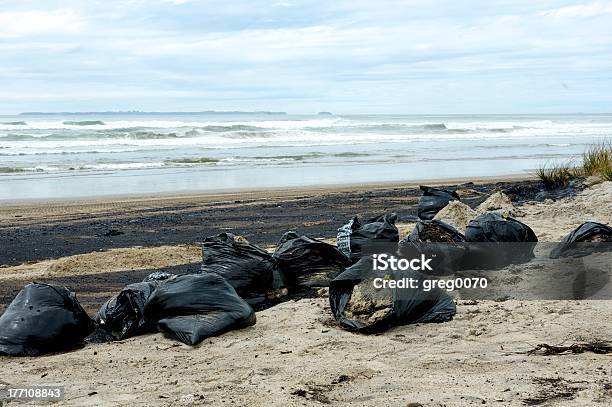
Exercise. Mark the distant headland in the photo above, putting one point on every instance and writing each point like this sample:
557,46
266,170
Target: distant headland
138,112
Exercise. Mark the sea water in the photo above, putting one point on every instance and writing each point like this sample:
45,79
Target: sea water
47,156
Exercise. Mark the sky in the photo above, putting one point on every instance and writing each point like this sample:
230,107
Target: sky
410,57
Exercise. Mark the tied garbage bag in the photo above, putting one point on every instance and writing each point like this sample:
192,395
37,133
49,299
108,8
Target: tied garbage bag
307,262
193,307
123,315
585,239
439,241
433,200
249,269
358,306
43,318
496,241
356,239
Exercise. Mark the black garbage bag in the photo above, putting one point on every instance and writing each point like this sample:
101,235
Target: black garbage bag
496,241
249,269
356,239
433,200
492,227
585,239
307,262
43,318
358,306
122,316
439,241
193,307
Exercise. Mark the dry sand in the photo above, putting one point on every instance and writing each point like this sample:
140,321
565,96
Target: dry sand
133,258
296,355
456,214
500,203
553,221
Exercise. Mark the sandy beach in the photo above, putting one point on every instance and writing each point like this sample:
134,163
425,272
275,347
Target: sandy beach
305,203
296,354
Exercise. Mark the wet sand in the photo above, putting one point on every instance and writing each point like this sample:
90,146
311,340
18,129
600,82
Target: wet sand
37,231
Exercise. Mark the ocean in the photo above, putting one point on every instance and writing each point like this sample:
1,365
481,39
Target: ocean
56,156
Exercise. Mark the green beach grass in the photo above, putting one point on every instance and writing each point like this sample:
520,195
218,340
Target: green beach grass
596,161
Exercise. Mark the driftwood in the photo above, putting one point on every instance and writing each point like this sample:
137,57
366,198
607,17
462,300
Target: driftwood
599,347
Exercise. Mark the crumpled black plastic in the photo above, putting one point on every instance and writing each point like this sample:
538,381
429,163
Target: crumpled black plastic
433,200
307,262
409,306
249,269
43,318
592,236
122,316
496,241
356,239
193,307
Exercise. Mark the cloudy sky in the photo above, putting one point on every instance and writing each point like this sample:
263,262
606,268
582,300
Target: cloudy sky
354,56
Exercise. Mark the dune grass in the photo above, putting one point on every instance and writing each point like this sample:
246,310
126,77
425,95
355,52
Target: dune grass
596,161
607,174
556,175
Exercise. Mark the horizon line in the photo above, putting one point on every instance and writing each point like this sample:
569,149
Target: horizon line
321,113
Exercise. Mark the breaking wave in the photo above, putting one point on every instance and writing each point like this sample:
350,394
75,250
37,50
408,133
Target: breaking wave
199,160
233,127
14,123
119,143
134,135
10,170
84,123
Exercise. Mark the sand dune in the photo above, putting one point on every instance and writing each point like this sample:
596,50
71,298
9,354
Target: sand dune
113,260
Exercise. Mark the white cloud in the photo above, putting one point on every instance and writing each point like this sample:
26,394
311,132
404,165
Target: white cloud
25,23
593,9
203,52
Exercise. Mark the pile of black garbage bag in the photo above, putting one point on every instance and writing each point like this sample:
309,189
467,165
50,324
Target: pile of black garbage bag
188,307
491,242
237,278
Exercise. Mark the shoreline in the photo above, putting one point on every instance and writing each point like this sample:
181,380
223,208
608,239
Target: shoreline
278,192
